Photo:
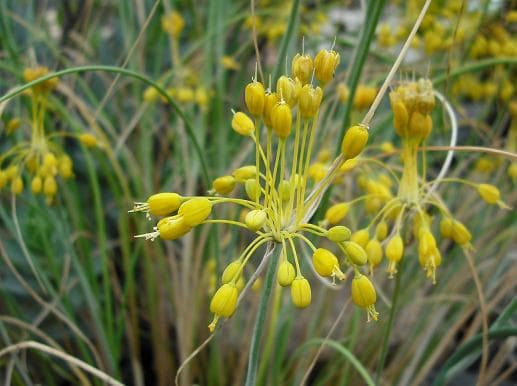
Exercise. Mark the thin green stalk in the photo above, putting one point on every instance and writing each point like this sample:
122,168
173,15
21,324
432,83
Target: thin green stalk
387,332
375,8
472,67
132,74
258,330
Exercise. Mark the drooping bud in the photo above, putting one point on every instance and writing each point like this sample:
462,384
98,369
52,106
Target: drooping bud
364,295
232,272
224,303
326,264
242,124
394,253
361,237
355,253
301,292
374,253
245,172
460,233
253,190
286,273
354,141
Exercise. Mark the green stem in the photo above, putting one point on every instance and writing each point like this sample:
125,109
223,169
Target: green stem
258,331
472,67
387,332
132,74
295,9
375,8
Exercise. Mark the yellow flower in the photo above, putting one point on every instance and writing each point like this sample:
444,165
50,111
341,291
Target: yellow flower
255,219
242,124
173,23
338,233
301,292
244,173
224,303
254,96
394,253
355,253
364,96
325,64
286,273
230,63
282,120
361,237
336,213
224,185
326,264
364,295
354,141
87,139
171,228
232,272
288,90
302,68
374,253
195,211
309,100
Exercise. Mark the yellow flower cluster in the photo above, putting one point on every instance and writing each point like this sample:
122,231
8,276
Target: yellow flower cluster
41,156
283,125
407,208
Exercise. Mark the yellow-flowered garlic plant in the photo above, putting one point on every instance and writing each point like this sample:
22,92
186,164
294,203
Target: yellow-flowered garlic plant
402,202
39,153
276,189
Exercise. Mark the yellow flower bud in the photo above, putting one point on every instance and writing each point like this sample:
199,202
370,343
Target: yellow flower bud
336,213
254,96
338,233
224,185
240,283
195,211
355,253
428,254
400,116
460,233
232,272
326,264
282,119
309,100
88,139
36,185
420,125
342,92
374,253
446,227
361,237
151,94
284,190
253,191
173,23
257,285
255,219
224,303
242,124
162,204
49,186
245,172
325,64
317,171
394,252
489,193
172,228
364,97
286,273
301,292
354,141
381,231
65,167
364,295
301,68
288,90
270,101
17,185
348,165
